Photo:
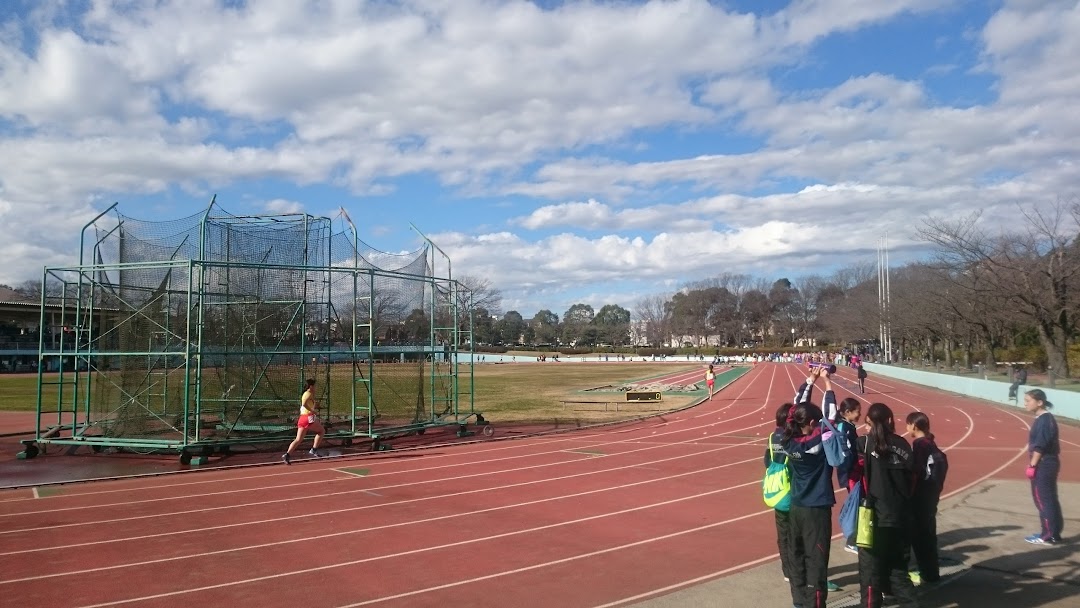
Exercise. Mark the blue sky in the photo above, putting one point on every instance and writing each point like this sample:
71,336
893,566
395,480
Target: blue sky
594,152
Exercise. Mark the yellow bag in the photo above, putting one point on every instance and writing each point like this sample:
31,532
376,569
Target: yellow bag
864,531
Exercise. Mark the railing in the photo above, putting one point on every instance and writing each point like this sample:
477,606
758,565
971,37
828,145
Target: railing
1066,403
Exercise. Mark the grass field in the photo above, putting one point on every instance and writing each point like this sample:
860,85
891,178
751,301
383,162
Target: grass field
504,392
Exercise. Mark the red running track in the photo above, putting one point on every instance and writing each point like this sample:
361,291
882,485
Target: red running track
590,519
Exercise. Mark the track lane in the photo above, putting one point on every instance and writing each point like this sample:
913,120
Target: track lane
597,572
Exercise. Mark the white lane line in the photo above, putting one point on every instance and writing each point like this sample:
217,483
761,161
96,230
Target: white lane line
455,449
323,482
582,458
761,560
383,526
518,444
386,487
638,543
474,579
337,479
718,573
472,541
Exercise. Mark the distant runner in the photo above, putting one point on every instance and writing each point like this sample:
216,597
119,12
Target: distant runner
308,420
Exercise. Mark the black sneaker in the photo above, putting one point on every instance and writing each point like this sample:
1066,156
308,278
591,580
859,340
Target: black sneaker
314,453
285,458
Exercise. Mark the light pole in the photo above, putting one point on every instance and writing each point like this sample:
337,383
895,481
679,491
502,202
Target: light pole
792,337
884,300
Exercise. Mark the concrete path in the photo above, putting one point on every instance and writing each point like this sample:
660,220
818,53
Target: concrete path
981,534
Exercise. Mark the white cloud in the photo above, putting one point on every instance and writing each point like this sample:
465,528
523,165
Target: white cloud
280,206
1035,48
805,21
554,109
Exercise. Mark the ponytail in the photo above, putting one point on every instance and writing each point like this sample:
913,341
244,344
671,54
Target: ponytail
847,405
882,424
920,421
801,415
782,414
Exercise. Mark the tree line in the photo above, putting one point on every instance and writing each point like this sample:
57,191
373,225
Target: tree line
982,296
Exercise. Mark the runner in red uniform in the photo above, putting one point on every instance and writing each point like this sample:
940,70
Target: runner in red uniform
308,420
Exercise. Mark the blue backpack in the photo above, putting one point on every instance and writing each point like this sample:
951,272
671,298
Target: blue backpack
776,487
849,513
837,451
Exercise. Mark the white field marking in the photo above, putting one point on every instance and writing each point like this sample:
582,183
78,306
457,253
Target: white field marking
524,442
995,471
691,582
1069,442
69,545
1002,449
36,495
475,579
336,464
718,573
361,490
386,526
891,398
634,544
971,421
970,430
729,570
322,482
505,573
377,506
908,389
698,376
474,541
541,439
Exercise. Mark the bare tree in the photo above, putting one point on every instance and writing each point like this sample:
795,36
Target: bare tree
478,292
804,302
652,313
1035,267
855,274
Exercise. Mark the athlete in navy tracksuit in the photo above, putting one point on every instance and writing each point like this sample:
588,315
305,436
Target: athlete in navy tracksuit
888,479
812,500
924,499
1044,450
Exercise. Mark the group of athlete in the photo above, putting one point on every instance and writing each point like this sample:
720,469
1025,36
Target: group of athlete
902,482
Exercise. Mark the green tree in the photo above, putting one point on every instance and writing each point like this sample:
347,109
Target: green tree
417,326
511,327
483,326
575,320
545,326
613,321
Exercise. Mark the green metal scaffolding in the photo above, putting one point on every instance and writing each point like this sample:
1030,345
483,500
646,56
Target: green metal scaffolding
197,334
